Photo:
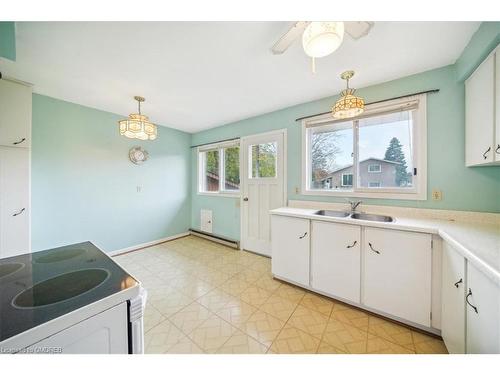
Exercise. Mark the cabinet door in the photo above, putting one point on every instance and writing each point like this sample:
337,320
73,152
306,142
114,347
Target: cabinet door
483,326
290,248
479,114
105,333
397,273
14,201
15,121
497,106
453,300
336,259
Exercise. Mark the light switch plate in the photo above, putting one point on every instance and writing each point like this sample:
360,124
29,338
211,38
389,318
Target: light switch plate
437,195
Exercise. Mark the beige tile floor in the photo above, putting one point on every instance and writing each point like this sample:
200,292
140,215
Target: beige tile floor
208,298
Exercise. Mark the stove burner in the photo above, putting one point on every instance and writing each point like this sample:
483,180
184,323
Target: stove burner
9,268
59,256
60,288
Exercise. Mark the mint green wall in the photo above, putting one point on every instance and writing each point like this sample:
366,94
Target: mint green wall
8,40
463,188
484,40
84,188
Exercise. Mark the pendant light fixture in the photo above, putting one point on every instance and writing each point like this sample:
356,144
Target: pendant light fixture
348,105
322,38
138,126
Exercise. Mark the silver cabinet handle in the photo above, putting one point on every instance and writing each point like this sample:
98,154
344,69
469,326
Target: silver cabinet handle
458,283
20,212
467,300
372,249
353,244
484,153
301,237
19,142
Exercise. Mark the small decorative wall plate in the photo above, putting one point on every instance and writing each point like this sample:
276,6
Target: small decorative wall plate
138,155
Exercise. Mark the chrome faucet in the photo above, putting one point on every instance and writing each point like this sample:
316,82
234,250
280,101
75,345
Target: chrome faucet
354,205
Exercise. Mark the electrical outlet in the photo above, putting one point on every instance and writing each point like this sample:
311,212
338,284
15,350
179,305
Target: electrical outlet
297,190
437,195
139,188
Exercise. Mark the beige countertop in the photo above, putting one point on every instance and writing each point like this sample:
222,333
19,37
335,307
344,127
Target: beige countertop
478,242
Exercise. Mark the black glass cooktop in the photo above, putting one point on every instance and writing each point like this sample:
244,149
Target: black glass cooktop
41,286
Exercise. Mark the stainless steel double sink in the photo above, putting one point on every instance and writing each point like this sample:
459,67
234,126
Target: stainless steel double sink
355,215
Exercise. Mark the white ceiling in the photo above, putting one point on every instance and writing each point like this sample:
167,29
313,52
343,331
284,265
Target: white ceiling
198,75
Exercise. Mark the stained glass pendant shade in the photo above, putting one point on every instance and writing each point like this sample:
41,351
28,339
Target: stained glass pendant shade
349,105
138,126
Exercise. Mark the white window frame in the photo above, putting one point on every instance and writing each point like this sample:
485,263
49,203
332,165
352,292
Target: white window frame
419,138
220,147
375,165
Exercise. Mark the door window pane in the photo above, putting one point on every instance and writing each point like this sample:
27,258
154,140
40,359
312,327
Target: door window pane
211,172
331,155
263,159
386,141
232,168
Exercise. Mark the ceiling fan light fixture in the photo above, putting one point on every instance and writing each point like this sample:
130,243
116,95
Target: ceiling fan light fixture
322,38
348,105
138,126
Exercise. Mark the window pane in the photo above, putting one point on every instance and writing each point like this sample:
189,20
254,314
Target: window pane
211,172
263,159
331,155
386,141
232,168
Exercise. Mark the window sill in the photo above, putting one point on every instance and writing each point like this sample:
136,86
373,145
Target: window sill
410,195
222,195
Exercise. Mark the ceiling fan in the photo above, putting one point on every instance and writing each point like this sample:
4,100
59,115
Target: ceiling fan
321,38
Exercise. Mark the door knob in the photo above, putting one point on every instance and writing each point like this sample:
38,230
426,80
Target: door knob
245,199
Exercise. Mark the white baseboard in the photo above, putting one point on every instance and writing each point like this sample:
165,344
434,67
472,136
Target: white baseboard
147,244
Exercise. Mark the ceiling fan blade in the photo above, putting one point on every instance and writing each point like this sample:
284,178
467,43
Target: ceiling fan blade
358,29
286,40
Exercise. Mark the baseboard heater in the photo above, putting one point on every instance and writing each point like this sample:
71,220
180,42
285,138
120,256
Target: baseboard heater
216,238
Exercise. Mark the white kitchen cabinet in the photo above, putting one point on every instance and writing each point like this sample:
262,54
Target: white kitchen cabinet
483,312
15,121
496,144
14,201
105,333
482,113
453,300
335,259
290,249
397,274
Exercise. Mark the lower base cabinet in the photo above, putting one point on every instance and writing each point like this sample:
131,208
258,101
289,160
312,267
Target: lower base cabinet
397,273
453,300
290,249
482,313
335,260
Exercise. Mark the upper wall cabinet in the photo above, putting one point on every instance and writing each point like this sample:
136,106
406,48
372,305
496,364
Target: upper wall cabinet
15,107
482,113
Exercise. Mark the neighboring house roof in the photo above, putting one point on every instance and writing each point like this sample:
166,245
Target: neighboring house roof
362,161
216,177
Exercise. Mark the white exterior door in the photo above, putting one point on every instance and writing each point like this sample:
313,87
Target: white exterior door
263,188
